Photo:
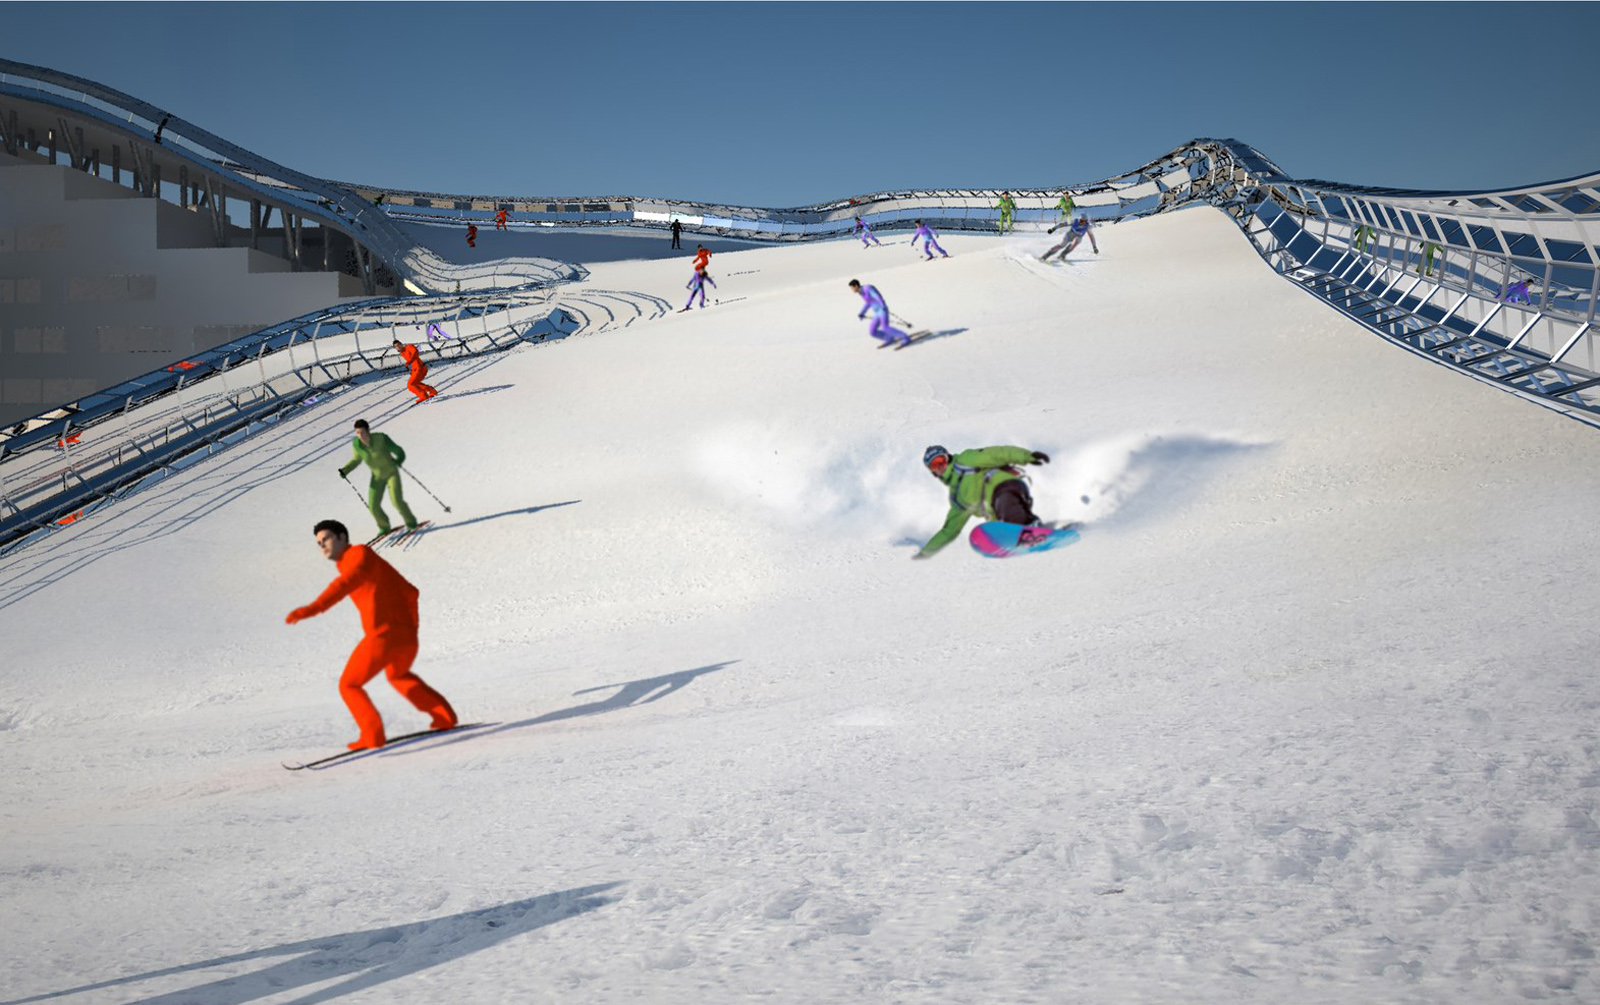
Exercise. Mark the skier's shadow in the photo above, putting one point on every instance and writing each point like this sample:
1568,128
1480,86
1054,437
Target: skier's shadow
494,516
628,694
941,333
365,959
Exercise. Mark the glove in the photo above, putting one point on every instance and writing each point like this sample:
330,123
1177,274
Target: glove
298,614
1039,457
919,555
344,474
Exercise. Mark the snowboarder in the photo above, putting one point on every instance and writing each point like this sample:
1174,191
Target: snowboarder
419,370
384,457
500,221
1080,227
930,241
1065,207
874,302
472,235
697,284
983,483
677,232
1006,206
389,620
865,233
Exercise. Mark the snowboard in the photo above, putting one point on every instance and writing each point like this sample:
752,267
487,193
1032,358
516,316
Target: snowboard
997,539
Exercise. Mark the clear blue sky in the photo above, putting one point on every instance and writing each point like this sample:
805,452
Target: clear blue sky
783,104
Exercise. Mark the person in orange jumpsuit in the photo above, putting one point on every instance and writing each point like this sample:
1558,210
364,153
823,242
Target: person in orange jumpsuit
388,606
702,257
472,235
500,220
419,370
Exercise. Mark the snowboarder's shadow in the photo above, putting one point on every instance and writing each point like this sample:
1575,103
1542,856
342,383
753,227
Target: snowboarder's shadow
365,959
628,694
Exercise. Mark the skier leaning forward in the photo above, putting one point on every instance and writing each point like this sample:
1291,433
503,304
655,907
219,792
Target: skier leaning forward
389,620
384,457
983,483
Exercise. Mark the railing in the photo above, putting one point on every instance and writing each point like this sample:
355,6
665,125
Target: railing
68,464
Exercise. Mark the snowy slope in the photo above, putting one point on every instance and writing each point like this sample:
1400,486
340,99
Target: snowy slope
1308,715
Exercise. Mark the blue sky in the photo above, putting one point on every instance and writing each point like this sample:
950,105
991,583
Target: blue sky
783,104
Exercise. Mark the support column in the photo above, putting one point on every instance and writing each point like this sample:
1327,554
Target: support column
12,139
217,203
183,186
116,164
255,226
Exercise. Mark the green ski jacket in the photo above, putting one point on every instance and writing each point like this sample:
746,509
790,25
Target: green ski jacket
972,477
384,457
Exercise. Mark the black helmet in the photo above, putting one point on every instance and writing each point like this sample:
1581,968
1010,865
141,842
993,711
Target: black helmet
931,457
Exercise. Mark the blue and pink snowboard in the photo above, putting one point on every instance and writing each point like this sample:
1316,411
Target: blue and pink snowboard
997,539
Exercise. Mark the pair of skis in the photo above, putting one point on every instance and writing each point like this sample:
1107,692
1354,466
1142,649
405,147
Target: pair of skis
915,336
395,535
402,740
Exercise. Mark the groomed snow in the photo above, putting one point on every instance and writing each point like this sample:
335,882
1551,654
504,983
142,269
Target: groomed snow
1307,716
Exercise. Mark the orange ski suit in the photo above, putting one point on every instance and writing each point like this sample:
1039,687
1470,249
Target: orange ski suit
419,370
388,606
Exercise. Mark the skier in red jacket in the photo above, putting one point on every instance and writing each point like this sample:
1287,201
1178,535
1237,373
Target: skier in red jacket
419,370
388,606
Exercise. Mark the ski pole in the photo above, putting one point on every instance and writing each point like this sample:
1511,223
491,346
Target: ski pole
357,491
901,320
424,487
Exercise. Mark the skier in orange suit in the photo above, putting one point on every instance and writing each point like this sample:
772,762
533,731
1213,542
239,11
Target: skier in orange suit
419,370
388,606
500,220
702,257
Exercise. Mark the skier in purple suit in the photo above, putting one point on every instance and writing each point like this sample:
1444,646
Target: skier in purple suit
930,240
875,303
697,284
865,233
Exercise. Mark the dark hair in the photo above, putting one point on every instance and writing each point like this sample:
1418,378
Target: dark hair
919,223
333,525
855,282
362,424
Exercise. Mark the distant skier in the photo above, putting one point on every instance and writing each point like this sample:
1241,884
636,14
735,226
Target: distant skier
880,328
384,457
702,256
930,241
983,483
389,622
697,285
1080,229
865,233
472,235
1428,251
419,370
500,221
677,232
1517,293
1065,208
1007,206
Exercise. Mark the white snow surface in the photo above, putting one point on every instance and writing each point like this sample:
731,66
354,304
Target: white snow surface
1308,715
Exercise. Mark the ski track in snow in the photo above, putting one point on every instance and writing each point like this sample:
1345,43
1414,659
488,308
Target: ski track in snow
1307,716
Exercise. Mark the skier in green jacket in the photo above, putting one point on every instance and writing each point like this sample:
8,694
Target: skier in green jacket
1065,207
384,457
983,483
1006,206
